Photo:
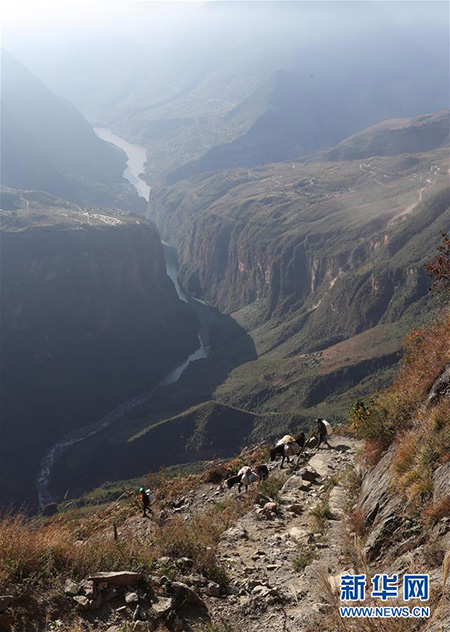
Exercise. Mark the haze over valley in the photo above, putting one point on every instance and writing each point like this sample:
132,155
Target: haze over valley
298,172
219,222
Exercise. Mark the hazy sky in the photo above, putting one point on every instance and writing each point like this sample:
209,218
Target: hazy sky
29,17
74,45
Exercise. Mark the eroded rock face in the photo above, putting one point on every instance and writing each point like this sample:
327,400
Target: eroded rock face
382,507
441,482
397,538
440,389
257,237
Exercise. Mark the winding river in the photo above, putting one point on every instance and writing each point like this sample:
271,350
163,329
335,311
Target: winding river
136,157
135,166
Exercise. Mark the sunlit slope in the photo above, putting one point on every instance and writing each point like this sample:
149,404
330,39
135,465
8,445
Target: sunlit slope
284,234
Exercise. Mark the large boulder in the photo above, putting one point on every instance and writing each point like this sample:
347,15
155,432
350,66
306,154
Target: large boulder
119,578
184,594
293,484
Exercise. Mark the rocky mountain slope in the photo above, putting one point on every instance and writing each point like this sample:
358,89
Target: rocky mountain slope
401,136
89,318
310,256
290,94
47,145
272,558
202,432
279,235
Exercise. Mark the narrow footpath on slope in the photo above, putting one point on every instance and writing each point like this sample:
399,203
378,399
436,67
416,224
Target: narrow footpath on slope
279,555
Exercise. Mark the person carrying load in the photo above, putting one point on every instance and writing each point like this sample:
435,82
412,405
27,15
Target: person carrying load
324,430
146,498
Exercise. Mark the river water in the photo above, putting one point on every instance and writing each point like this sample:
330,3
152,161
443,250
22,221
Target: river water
136,159
135,166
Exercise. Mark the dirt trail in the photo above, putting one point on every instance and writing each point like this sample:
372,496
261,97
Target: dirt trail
410,208
264,557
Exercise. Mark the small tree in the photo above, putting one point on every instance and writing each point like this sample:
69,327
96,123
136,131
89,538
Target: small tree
439,270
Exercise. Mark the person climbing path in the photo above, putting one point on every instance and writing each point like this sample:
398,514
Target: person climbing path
324,430
146,498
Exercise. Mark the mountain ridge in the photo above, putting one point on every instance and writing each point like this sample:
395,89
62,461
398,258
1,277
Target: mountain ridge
48,145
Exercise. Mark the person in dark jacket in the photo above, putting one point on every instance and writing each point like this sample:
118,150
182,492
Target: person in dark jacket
322,432
145,500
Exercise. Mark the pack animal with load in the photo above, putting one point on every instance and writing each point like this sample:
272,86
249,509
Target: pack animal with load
287,447
246,476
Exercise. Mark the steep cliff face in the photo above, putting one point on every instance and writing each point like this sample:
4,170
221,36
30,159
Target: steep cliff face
320,261
318,236
89,318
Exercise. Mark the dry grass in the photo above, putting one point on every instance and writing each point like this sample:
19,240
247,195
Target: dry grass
356,522
355,556
303,558
419,450
37,555
421,433
446,569
426,354
436,511
321,514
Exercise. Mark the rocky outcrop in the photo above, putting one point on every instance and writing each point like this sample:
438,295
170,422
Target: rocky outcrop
440,389
382,508
89,318
397,539
117,578
156,601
